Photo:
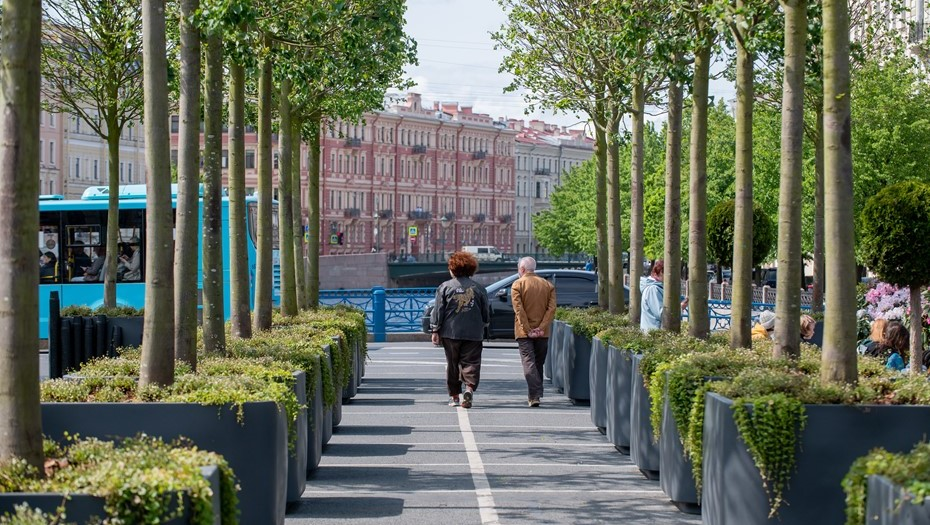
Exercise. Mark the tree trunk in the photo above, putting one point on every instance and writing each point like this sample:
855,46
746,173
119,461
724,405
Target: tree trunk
188,212
636,200
839,337
600,221
263,266
112,242
240,316
214,330
157,345
297,215
917,346
741,307
614,261
671,311
699,317
285,201
313,211
790,262
817,291
20,47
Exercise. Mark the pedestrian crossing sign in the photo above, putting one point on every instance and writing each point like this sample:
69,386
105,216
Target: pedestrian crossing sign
412,231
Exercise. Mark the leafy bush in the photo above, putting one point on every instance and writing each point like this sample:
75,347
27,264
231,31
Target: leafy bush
137,478
720,224
588,322
116,311
911,470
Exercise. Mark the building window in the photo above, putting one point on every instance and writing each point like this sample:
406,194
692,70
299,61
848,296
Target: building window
51,120
96,177
250,159
77,168
41,152
225,160
274,160
129,174
121,172
175,123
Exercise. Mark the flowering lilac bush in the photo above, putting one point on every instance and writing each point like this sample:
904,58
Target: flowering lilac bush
890,302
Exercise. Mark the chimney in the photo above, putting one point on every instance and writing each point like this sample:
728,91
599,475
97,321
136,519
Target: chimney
537,125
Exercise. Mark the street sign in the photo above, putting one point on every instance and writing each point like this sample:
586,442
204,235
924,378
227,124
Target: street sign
413,239
334,239
412,231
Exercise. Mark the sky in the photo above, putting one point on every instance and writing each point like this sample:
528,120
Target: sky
458,62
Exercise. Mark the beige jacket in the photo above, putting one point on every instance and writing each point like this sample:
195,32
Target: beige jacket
533,304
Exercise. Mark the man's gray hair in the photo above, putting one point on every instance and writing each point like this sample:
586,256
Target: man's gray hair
528,264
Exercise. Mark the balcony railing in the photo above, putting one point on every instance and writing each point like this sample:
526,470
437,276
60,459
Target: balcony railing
479,217
351,213
419,149
479,155
385,214
353,143
506,219
542,171
419,215
449,216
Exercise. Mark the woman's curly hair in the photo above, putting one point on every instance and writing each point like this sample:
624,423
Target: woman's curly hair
463,264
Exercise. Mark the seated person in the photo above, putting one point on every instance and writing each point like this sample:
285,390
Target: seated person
807,328
895,346
872,344
79,259
131,265
48,267
765,328
94,271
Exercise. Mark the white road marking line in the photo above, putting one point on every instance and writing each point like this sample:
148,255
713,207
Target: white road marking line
486,507
621,467
492,444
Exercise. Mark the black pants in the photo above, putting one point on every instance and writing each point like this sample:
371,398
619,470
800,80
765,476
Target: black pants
463,360
533,352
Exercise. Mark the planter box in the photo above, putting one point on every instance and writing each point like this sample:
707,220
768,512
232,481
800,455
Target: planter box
351,389
84,508
890,504
828,445
576,366
315,415
597,386
328,411
643,450
130,328
256,448
566,340
297,459
555,338
675,474
619,379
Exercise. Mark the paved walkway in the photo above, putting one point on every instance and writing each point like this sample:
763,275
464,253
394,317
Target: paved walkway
402,456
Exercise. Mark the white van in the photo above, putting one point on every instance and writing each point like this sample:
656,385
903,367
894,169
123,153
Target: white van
484,253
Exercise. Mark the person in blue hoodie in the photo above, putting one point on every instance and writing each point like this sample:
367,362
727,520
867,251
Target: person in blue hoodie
652,297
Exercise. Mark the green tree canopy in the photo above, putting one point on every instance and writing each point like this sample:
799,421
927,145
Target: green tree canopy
568,226
720,233
895,233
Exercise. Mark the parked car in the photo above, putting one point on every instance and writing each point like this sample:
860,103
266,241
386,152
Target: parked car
485,253
576,288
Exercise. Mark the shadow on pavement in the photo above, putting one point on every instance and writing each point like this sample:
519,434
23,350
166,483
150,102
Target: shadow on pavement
352,507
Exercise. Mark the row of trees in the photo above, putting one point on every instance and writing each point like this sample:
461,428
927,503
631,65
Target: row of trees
616,57
287,67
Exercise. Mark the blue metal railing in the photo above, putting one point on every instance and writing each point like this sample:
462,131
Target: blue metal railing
398,310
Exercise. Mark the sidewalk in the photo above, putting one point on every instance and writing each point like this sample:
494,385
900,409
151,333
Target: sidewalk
401,456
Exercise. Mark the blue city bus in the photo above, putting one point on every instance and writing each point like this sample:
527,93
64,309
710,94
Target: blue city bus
72,234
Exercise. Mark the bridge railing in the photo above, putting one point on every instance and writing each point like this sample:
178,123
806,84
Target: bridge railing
399,310
438,257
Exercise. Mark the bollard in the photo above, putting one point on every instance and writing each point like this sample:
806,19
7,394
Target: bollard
67,360
100,324
378,314
116,341
77,342
54,336
89,333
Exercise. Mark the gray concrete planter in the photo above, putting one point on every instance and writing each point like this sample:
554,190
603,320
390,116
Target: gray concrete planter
315,416
576,366
643,450
890,504
562,348
828,445
297,458
597,385
256,448
555,338
328,412
619,390
350,390
675,474
84,508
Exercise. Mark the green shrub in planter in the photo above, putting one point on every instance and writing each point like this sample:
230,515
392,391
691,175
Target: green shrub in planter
911,471
137,477
116,311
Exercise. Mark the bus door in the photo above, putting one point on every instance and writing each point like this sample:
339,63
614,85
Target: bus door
48,261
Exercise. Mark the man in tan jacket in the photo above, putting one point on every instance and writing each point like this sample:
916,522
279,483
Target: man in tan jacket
533,308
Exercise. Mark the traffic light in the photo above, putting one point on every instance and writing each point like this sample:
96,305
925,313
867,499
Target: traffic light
340,237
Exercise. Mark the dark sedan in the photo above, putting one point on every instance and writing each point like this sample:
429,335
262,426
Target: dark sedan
575,288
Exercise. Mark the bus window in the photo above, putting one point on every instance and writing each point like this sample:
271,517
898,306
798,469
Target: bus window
84,241
49,249
253,225
131,262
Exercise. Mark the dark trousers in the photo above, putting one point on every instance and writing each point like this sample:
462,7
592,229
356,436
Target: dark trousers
533,355
463,364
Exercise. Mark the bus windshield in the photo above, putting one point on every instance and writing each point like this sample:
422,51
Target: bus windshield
253,224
